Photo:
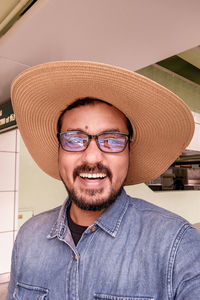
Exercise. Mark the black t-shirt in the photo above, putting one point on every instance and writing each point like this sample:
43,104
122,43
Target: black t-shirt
76,230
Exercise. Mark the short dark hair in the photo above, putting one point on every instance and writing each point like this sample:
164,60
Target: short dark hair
88,101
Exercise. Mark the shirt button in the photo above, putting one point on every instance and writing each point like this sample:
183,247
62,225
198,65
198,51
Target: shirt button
77,256
93,228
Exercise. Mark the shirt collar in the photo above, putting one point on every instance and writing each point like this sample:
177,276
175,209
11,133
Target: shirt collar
109,221
60,227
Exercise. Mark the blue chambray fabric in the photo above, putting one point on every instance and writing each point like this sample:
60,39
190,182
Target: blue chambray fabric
134,251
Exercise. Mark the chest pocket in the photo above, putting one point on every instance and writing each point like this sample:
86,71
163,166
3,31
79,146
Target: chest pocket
29,292
112,297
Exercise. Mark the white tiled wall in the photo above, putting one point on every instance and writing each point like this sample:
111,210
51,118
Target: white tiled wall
9,173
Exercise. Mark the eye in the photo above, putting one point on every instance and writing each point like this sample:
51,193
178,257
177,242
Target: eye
74,141
113,142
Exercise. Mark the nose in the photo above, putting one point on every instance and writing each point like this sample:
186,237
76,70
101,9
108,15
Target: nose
92,154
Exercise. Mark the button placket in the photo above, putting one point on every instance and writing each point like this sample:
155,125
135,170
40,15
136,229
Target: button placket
77,257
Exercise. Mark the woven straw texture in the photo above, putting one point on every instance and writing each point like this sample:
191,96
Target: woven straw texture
163,124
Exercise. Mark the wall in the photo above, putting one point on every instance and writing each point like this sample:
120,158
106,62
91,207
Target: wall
185,89
37,191
183,203
9,162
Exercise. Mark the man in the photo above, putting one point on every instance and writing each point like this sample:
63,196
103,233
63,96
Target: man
114,127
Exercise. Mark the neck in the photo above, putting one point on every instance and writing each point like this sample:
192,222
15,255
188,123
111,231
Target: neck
83,217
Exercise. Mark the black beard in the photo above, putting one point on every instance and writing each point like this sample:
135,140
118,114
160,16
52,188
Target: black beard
99,204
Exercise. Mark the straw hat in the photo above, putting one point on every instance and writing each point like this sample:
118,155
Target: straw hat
163,124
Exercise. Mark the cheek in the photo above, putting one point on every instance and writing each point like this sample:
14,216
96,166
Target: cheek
66,164
120,166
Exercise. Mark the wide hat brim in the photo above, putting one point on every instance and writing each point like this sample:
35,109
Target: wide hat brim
163,124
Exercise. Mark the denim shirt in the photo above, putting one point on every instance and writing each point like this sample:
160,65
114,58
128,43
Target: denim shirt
133,251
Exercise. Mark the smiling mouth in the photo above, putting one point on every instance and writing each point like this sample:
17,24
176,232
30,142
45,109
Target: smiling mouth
98,172
92,175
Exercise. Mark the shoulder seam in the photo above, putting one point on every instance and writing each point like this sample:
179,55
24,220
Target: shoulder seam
158,210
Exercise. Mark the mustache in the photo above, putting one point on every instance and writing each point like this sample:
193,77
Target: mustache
97,168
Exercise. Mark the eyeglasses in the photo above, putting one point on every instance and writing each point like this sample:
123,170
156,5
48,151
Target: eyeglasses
77,141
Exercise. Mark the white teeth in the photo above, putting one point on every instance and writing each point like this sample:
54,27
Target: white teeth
89,175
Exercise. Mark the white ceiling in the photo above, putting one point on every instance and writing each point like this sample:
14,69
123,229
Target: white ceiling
129,33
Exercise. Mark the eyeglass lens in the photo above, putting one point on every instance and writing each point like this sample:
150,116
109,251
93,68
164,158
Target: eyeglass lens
107,142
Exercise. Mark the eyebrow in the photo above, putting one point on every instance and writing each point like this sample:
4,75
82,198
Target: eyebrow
103,131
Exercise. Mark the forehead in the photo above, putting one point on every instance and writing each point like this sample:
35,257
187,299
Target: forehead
94,117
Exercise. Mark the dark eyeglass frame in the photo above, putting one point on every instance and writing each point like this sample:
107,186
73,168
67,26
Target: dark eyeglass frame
95,137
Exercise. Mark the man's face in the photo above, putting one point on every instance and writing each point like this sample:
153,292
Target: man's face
110,169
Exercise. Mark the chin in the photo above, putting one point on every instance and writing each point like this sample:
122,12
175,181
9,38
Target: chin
92,199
